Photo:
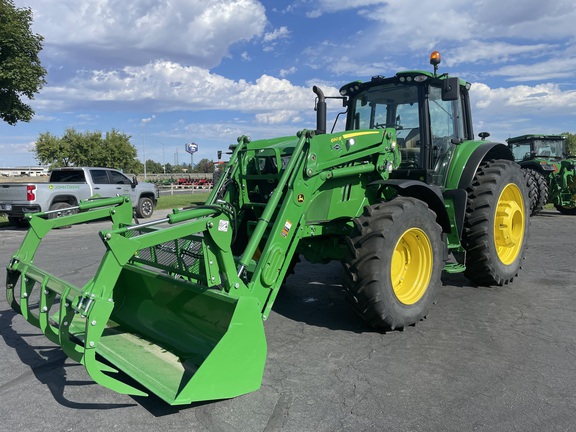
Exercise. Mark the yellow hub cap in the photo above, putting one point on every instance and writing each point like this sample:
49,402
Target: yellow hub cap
509,224
412,263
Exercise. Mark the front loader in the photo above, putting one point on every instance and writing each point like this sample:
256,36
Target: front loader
403,193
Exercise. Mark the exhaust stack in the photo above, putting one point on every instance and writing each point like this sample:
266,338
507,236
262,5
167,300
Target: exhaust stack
320,111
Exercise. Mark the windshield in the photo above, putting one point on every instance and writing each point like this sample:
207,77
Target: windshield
540,148
390,106
549,148
521,151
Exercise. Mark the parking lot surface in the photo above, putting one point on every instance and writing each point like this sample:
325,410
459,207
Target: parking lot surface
486,359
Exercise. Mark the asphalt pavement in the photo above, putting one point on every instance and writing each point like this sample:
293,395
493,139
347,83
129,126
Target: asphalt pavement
486,359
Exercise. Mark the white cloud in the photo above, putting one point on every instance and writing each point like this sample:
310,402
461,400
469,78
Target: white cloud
477,51
168,86
506,112
280,33
484,32
278,117
327,6
551,69
139,31
286,72
546,98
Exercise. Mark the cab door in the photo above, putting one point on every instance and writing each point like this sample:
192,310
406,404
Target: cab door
109,183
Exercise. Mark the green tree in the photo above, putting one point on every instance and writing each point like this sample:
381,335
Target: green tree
113,150
570,143
204,166
21,74
153,167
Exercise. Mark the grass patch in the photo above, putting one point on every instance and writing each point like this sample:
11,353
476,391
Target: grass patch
180,200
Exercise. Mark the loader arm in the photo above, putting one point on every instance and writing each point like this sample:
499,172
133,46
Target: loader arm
178,303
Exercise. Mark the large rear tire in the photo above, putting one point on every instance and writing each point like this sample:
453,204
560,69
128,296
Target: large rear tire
541,189
496,226
395,263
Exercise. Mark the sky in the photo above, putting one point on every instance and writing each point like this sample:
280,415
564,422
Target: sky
172,72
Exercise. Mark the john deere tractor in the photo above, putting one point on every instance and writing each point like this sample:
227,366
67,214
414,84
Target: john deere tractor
403,193
551,168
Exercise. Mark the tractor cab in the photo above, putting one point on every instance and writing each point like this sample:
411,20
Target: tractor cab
530,147
429,115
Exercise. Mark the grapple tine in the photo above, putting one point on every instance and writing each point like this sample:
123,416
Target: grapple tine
96,370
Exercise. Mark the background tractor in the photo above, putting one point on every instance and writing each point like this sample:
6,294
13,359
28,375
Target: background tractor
552,170
404,192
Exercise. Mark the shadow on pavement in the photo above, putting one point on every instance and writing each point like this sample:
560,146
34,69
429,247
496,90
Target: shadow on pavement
47,363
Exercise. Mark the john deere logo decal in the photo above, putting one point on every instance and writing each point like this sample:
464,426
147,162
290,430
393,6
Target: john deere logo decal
300,198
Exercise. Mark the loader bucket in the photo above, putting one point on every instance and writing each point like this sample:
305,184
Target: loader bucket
166,305
181,342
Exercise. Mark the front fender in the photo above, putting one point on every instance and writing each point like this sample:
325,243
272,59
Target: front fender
430,194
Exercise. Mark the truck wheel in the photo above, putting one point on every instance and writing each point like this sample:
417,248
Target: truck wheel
496,225
145,208
541,186
394,263
60,206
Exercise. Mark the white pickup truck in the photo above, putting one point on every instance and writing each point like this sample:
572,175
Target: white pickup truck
67,186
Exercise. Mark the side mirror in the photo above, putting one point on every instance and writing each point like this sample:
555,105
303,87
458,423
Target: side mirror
451,89
134,182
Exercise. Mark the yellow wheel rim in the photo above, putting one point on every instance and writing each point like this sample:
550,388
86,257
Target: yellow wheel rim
509,224
412,263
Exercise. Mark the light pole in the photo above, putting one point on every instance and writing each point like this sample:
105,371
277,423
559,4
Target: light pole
144,122
191,148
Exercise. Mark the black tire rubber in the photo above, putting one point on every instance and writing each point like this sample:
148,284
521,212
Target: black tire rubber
541,187
372,254
532,190
145,208
60,206
17,221
569,211
484,264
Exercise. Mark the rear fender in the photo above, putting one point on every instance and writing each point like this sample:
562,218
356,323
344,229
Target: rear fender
544,169
70,199
487,151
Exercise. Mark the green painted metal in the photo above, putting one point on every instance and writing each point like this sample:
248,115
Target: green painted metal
172,305
178,303
547,155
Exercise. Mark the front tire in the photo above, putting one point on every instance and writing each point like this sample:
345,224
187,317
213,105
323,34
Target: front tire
145,208
496,226
394,263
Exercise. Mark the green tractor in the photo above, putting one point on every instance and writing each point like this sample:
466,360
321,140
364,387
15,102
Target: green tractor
402,194
551,168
